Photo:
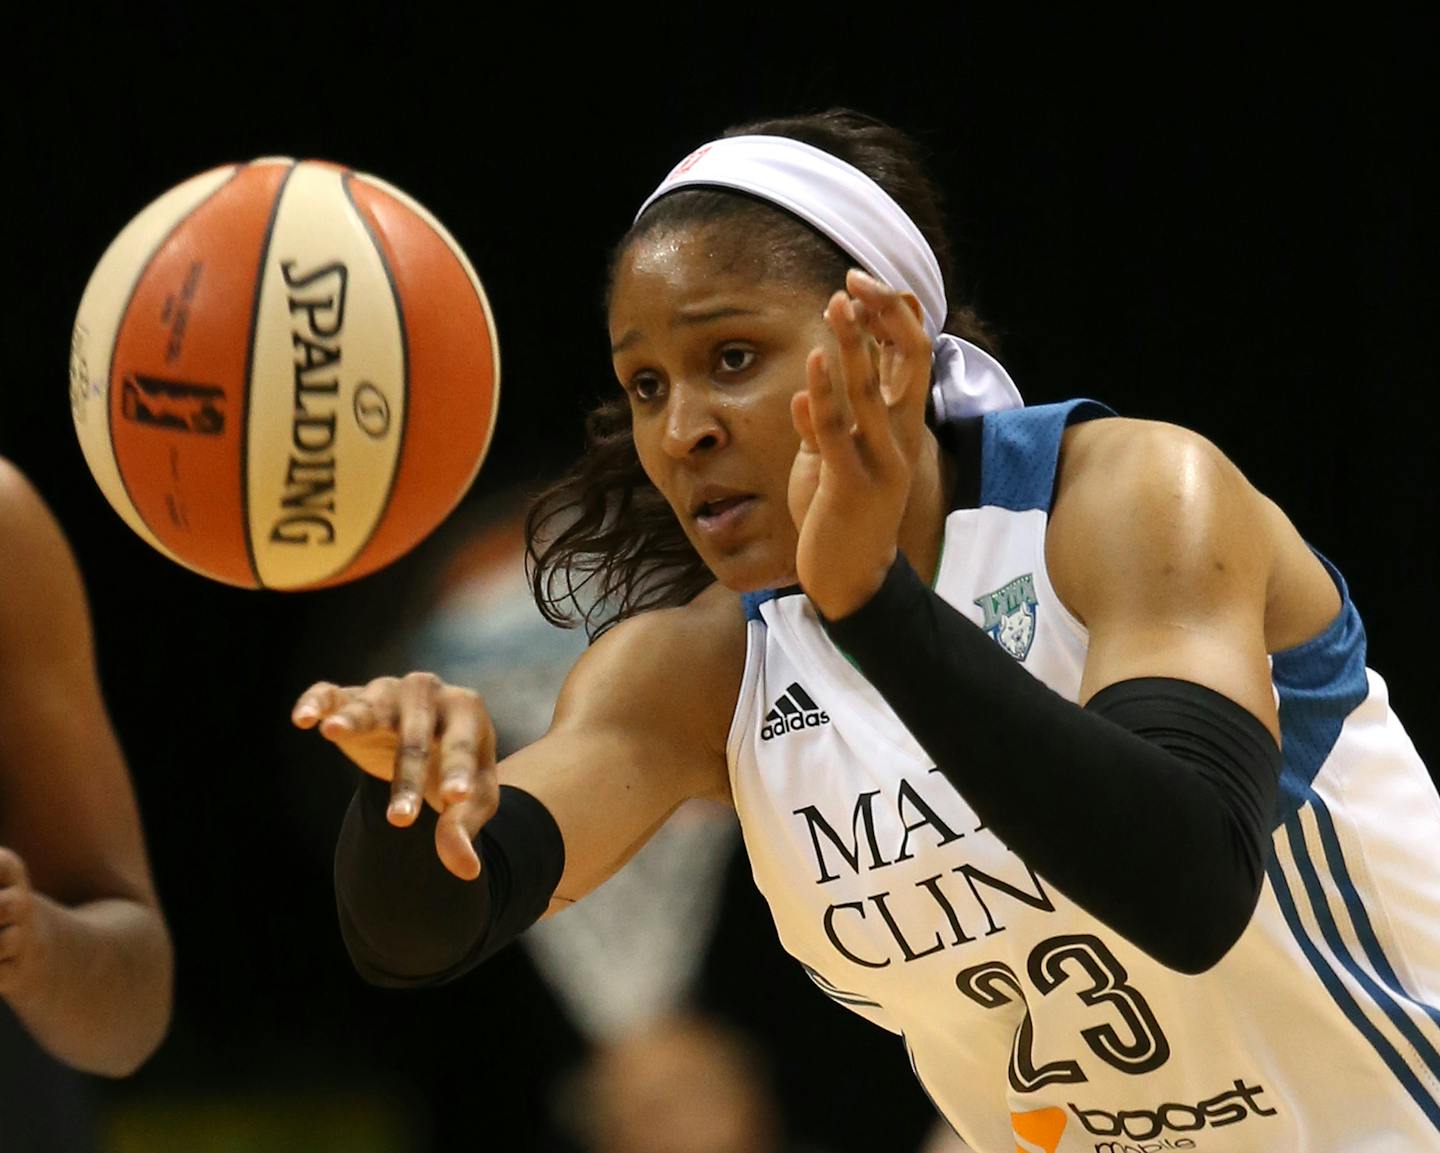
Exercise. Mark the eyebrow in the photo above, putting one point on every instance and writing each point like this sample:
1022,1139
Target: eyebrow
685,320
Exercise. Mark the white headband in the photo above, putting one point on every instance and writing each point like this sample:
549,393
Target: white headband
844,204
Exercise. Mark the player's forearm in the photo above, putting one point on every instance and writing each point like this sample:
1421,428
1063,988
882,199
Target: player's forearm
408,922
1066,787
99,997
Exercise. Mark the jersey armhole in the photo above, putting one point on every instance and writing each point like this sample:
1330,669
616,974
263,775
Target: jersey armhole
745,699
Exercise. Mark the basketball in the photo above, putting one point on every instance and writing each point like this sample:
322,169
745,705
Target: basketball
284,374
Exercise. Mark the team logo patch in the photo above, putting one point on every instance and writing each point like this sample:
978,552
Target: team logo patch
1010,615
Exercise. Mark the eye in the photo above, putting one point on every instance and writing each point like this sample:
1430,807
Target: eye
644,387
735,358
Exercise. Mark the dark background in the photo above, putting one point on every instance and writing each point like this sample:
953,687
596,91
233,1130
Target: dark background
1201,221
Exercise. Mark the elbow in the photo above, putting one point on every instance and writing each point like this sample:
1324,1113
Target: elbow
411,960
1202,931
384,972
1194,957
136,1049
374,973
143,1029
377,968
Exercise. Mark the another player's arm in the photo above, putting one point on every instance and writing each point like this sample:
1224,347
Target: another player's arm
639,728
85,958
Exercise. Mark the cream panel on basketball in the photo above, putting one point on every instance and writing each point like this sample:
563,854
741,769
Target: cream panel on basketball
102,306
327,386
441,231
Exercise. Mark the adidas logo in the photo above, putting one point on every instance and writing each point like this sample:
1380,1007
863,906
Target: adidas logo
792,712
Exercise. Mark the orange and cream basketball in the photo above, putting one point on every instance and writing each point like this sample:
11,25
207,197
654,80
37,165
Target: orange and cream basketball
284,374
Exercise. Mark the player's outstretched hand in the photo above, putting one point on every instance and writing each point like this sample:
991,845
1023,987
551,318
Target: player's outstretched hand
434,742
22,927
861,419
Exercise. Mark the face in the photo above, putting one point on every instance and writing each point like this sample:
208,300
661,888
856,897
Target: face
710,351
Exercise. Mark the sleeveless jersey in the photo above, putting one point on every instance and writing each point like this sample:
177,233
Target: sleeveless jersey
1031,1025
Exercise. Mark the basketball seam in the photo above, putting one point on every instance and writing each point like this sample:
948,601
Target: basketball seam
399,460
249,378
472,278
122,318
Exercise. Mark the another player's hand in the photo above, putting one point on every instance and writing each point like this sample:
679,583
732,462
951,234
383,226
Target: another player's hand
23,941
861,419
434,742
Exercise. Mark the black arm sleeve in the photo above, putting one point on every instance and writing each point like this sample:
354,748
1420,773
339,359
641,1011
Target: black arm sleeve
1150,808
408,921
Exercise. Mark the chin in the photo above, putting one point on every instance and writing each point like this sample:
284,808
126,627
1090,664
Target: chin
752,572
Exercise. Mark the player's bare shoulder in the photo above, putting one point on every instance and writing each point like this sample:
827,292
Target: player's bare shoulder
691,656
1162,505
670,675
1148,516
1117,454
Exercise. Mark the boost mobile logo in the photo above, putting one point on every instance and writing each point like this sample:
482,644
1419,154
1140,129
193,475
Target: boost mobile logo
1146,1125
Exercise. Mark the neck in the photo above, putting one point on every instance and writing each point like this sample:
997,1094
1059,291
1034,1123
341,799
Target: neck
922,530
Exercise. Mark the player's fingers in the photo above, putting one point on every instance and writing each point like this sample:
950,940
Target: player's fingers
12,869
858,368
317,702
856,361
10,943
891,316
376,706
897,322
363,710
803,421
16,941
15,904
461,823
417,702
455,850
828,420
467,742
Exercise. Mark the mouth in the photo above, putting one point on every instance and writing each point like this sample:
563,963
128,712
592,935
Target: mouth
721,513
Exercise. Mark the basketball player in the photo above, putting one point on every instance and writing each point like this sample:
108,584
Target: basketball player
999,694
85,957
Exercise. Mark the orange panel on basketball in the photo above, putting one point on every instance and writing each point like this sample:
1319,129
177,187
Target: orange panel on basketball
284,374
178,391
451,379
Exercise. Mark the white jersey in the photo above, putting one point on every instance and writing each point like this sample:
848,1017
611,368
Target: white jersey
1032,1025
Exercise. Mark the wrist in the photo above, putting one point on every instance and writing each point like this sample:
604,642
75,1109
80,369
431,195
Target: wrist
835,604
892,589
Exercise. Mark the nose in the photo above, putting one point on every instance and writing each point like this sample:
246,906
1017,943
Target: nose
691,422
